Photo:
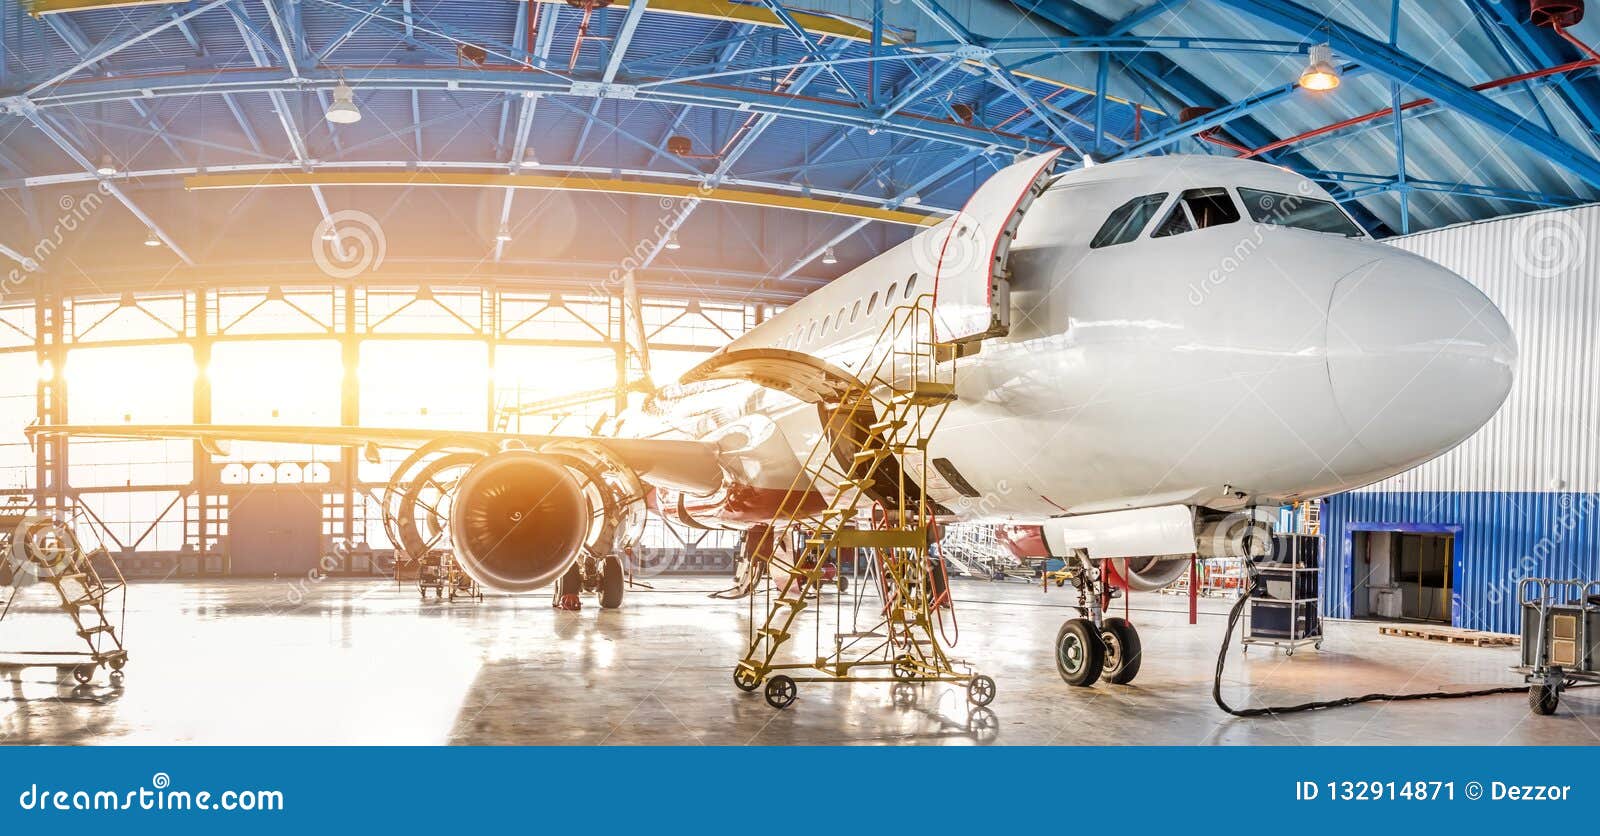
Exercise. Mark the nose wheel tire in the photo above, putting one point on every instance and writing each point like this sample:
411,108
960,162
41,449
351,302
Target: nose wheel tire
980,690
781,691
1080,655
1123,651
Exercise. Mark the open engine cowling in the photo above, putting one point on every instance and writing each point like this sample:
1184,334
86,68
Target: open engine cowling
518,520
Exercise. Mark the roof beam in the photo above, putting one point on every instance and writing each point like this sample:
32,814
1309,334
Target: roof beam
102,54
74,38
526,104
43,124
1396,65
680,191
814,50
1541,49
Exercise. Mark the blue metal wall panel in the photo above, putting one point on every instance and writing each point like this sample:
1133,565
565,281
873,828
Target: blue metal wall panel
1501,537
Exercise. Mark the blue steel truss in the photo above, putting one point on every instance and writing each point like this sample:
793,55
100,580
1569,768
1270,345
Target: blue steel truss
897,105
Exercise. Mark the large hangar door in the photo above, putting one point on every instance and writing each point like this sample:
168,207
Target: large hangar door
274,531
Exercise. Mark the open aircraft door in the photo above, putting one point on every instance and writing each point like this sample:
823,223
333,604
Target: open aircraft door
972,280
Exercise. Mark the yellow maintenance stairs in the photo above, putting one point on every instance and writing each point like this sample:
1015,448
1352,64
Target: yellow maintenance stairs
855,494
40,549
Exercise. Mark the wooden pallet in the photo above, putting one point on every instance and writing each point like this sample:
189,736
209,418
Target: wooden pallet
1451,635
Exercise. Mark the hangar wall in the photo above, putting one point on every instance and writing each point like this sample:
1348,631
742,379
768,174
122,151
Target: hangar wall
1522,496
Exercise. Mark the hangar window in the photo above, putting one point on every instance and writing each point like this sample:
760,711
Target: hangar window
872,302
1128,220
1198,209
1297,211
911,284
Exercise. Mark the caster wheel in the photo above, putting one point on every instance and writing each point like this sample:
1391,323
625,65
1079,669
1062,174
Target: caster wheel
745,679
980,691
1318,645
1080,655
1288,651
1123,651
1542,699
116,677
781,691
905,668
83,673
118,661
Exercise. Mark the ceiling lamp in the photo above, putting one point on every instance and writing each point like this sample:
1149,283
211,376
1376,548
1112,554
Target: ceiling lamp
107,166
828,257
503,234
1320,72
672,241
343,111
151,239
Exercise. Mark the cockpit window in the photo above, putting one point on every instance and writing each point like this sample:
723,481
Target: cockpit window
1127,221
1297,211
1198,209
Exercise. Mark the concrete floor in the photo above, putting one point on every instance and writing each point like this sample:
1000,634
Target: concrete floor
362,662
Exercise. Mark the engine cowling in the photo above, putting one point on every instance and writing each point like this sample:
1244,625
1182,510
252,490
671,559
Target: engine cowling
518,520
1147,574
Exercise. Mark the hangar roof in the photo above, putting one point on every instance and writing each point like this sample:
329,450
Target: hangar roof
724,147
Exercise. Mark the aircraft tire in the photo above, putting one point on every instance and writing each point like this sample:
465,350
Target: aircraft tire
611,582
1080,654
1123,651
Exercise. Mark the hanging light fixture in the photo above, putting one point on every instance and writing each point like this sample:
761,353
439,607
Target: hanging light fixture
672,241
1320,72
107,166
151,239
343,111
503,234
828,257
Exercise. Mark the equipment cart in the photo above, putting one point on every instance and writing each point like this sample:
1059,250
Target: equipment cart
1560,637
1284,598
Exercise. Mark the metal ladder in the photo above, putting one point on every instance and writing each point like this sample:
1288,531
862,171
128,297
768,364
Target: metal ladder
57,559
890,413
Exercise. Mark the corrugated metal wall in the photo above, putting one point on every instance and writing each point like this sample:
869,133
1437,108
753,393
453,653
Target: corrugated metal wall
1525,490
1502,538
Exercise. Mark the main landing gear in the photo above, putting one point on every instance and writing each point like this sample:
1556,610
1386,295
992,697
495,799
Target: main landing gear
605,577
1095,647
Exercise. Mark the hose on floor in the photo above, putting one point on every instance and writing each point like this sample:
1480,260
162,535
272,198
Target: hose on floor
1268,711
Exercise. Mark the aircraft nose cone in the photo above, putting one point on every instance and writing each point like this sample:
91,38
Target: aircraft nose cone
1419,359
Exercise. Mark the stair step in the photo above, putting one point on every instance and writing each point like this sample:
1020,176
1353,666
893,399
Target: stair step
791,603
858,484
98,628
873,453
887,424
774,633
927,393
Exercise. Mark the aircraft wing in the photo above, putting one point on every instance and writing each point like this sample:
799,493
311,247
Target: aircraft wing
681,464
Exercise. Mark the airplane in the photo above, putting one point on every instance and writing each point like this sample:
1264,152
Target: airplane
1151,349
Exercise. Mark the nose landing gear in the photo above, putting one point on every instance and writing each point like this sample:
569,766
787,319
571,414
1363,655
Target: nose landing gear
1094,647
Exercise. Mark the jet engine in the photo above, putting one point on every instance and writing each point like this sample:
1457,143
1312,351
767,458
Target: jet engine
518,520
1146,574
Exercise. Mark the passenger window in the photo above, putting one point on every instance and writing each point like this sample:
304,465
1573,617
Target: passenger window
872,302
1297,211
813,335
855,312
911,284
1127,221
888,298
825,320
838,324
